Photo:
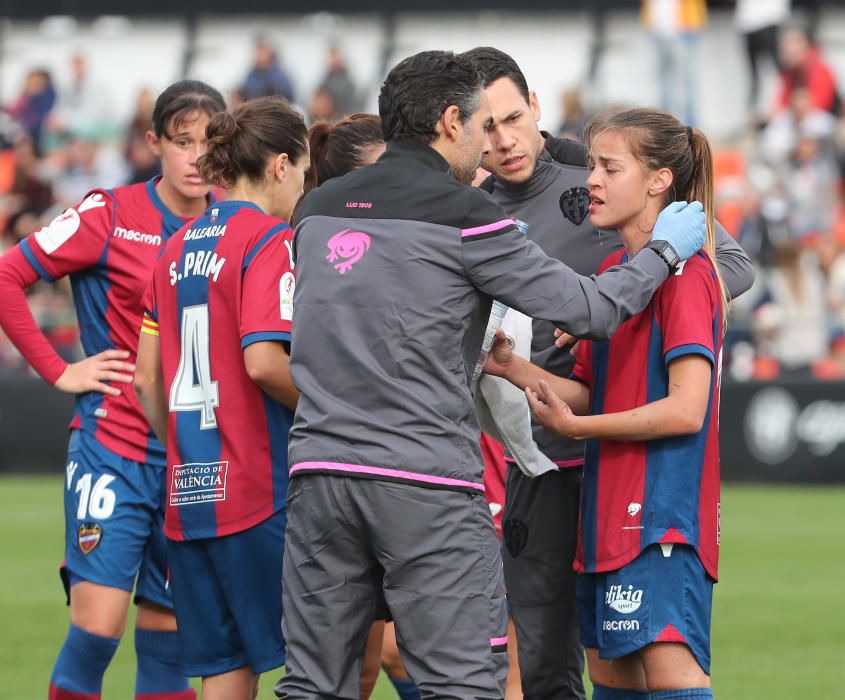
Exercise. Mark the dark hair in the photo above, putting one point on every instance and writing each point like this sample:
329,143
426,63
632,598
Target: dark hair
240,143
181,100
420,88
342,147
495,64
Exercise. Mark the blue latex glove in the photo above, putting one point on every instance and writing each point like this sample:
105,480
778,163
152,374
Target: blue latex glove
683,226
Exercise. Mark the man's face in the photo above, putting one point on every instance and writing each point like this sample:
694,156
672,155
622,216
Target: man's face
474,142
515,139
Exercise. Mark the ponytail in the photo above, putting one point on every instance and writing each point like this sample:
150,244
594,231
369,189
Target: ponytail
241,143
701,188
318,139
217,166
342,147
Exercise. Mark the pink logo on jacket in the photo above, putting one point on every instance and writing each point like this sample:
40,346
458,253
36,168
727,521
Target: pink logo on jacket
350,245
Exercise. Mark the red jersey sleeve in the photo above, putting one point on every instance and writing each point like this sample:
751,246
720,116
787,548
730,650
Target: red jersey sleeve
149,322
583,370
16,319
267,291
688,310
74,240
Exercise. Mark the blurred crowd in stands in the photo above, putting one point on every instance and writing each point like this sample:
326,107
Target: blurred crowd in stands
779,183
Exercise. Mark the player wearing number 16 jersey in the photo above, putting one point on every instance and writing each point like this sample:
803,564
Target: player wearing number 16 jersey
213,380
107,245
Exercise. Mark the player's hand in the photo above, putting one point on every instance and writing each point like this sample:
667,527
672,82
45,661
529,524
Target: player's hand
552,412
564,339
91,373
683,226
500,357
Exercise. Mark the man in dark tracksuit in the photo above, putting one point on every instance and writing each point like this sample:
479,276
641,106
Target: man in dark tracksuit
396,267
542,181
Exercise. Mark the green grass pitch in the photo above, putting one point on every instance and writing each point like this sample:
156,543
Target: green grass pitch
778,629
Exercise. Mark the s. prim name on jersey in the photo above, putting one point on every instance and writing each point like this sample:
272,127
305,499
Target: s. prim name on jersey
203,263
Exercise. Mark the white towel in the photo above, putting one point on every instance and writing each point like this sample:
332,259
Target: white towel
503,409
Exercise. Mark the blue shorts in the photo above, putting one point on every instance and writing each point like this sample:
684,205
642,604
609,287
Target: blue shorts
228,594
655,598
114,519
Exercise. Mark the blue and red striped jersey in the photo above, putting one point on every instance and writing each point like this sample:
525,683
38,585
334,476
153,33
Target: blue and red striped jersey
108,244
223,282
638,493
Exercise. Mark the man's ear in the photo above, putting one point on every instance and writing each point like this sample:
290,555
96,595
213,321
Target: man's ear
534,104
449,125
280,166
153,142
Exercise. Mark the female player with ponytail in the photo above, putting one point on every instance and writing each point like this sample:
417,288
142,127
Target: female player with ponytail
213,380
649,524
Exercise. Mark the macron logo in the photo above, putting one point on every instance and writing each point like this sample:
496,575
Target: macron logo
129,235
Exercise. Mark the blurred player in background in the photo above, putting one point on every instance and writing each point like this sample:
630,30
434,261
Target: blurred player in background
542,181
649,523
114,486
213,380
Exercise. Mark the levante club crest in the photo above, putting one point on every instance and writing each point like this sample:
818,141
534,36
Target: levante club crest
515,534
90,535
575,204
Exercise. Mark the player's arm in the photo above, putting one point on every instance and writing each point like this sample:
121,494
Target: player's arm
684,311
503,362
682,412
71,242
266,312
149,382
268,365
500,261
734,264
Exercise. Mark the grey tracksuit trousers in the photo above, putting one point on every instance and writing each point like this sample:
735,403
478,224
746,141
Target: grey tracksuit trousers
435,553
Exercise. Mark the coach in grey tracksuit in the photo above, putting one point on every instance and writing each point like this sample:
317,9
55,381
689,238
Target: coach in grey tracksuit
544,184
396,266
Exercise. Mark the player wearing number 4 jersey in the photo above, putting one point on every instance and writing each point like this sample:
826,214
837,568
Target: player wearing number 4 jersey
214,382
114,482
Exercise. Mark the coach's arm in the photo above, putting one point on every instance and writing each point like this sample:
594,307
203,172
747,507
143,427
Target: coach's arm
149,384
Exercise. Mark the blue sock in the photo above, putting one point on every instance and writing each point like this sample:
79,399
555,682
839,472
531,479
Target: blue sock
159,669
82,661
682,694
405,689
601,692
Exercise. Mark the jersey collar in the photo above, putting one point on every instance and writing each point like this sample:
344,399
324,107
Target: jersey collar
408,147
171,221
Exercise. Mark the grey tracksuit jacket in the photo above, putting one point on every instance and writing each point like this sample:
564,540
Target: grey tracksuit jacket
397,264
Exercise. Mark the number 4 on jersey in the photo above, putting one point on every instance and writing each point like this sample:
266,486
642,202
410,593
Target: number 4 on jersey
193,388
